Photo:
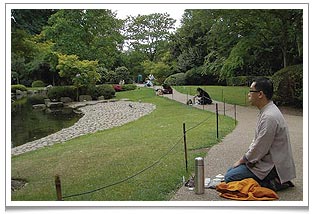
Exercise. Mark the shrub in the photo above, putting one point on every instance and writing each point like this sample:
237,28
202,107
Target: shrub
240,80
176,79
37,83
36,99
288,86
129,87
18,87
117,88
56,92
105,90
200,76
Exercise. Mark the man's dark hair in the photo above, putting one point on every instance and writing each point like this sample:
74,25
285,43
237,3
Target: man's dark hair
264,84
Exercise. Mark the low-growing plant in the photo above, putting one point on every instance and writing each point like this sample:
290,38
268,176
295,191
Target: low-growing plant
176,79
288,86
56,92
37,83
18,87
105,90
128,87
36,99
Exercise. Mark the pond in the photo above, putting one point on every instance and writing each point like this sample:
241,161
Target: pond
28,124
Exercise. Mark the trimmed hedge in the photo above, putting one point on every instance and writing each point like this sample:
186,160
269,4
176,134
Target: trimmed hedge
240,80
36,99
288,86
105,90
176,79
129,87
56,92
200,76
37,83
18,87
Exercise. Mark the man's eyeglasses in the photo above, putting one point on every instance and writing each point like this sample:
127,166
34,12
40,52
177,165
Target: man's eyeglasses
253,91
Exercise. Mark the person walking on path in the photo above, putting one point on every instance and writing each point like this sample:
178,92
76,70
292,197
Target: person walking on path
269,159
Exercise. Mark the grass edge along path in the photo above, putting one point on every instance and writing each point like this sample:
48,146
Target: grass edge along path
97,160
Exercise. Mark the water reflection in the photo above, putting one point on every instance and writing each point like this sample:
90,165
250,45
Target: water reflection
28,124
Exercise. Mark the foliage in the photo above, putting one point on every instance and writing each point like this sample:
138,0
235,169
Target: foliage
129,87
56,92
146,33
18,87
29,20
288,86
37,83
122,73
105,90
90,34
227,43
160,70
200,76
239,42
176,79
81,73
240,80
36,99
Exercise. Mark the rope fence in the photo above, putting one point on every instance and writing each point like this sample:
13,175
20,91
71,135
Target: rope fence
58,187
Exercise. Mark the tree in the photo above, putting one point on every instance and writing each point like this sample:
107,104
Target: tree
81,73
30,20
89,34
146,32
239,42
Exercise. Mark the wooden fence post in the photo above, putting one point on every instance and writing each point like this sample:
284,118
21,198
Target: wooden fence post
58,188
185,149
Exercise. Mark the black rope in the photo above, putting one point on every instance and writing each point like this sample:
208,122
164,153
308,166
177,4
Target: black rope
197,124
129,177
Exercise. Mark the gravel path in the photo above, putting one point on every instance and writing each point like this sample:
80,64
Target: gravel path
97,116
221,156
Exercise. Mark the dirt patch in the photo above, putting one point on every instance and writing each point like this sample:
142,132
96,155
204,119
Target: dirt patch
17,184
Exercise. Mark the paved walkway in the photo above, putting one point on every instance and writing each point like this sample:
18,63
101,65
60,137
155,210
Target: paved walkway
236,143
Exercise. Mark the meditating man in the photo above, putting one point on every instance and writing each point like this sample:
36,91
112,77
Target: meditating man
269,158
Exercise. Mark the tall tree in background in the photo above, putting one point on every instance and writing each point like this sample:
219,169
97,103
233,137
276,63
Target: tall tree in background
146,33
89,34
239,42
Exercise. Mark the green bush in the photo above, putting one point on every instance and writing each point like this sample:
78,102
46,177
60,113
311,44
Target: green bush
37,83
56,92
288,86
18,87
240,80
200,76
36,99
176,79
129,87
105,90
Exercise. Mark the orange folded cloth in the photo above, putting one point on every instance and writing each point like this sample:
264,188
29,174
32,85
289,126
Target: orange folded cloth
245,190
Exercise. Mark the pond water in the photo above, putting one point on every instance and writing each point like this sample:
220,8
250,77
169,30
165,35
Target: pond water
28,124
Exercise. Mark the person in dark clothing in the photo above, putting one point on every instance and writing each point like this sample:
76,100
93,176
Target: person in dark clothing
203,97
166,89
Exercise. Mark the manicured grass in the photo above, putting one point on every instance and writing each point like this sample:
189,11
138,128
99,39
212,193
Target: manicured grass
105,157
229,94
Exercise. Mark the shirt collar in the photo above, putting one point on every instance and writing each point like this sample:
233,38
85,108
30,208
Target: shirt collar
266,106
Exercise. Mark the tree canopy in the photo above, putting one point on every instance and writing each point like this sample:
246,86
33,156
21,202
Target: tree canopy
218,43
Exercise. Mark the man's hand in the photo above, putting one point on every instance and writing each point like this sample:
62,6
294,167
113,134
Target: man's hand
239,162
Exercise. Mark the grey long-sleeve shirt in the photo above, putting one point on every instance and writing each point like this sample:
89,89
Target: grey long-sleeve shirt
271,146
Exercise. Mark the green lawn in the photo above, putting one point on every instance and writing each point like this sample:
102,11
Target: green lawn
106,157
229,94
